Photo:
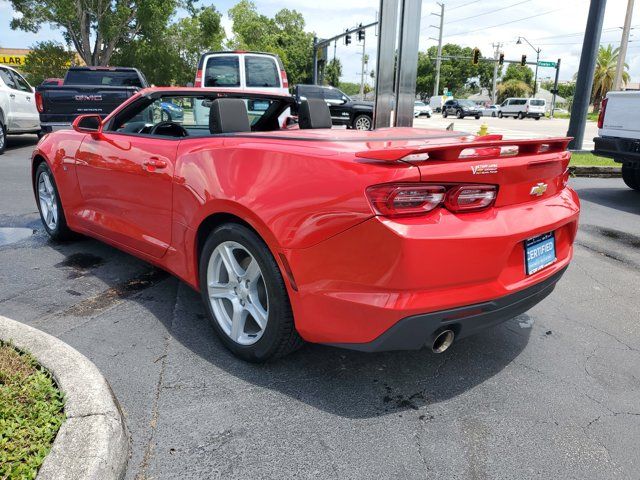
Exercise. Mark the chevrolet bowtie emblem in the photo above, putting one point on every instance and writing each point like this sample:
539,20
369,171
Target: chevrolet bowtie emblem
538,189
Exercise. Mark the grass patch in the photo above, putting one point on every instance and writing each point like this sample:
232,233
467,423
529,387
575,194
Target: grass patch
589,160
31,412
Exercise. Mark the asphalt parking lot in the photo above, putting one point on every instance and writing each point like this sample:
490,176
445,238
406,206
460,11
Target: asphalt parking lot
554,393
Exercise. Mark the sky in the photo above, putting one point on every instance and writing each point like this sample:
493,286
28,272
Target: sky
557,28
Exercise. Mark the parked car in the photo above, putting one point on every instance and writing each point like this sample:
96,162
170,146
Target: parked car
171,112
86,90
331,236
421,108
461,109
523,108
239,70
619,134
489,111
18,112
344,110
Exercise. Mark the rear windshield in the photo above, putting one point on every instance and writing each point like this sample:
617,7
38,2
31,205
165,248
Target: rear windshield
537,103
222,71
102,77
261,72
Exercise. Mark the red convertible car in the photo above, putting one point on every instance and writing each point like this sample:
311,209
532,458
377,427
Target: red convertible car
391,239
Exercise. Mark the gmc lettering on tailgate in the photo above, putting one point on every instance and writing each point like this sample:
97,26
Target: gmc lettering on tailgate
88,98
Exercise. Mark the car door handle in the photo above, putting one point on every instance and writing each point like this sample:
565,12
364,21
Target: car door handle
154,163
12,95
28,98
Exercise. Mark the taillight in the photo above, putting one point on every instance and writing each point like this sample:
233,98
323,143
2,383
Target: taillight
39,104
285,80
198,82
603,110
465,198
394,200
407,199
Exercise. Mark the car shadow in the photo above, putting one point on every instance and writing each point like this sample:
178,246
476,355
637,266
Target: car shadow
20,141
340,382
622,198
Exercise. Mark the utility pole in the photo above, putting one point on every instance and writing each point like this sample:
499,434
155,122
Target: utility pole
436,87
622,54
555,88
496,56
584,82
364,41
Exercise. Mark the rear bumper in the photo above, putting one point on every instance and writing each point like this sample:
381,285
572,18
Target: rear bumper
357,285
622,150
418,331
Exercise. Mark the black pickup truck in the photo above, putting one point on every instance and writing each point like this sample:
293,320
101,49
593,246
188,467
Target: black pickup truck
86,90
344,110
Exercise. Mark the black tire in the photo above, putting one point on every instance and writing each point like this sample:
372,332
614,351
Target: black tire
477,117
362,120
537,118
165,116
3,137
631,176
280,336
459,114
61,230
444,114
428,115
500,115
521,116
493,114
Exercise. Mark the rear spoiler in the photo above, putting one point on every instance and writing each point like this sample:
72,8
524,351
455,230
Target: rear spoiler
493,146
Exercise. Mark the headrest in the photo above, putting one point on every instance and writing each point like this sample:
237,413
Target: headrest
314,113
228,115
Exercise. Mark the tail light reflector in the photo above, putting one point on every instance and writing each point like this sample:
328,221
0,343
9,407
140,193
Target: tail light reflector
465,198
395,200
39,104
407,199
603,110
285,80
198,82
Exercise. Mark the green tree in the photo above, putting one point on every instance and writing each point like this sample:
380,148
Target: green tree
333,72
350,88
170,56
513,88
47,60
455,73
516,71
605,73
283,34
96,28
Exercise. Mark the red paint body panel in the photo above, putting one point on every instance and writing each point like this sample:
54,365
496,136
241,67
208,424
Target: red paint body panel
303,191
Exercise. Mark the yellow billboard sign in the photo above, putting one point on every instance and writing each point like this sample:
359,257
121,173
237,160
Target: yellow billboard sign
13,60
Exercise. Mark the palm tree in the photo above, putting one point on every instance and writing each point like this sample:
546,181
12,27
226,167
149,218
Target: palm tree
605,73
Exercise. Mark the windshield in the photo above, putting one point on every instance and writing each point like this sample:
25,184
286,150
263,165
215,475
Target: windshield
466,103
420,104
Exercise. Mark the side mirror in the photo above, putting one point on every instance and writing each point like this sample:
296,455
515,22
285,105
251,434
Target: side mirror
88,124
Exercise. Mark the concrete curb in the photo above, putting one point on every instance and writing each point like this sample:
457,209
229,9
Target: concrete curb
600,172
92,443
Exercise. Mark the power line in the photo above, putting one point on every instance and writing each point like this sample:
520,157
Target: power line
506,23
610,29
487,13
463,5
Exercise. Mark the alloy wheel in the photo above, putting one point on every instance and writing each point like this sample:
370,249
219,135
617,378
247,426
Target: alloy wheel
48,201
2,137
363,123
238,293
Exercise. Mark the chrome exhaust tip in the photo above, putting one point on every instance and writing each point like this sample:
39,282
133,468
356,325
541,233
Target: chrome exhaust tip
442,341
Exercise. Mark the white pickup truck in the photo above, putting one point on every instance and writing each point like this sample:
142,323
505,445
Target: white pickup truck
619,134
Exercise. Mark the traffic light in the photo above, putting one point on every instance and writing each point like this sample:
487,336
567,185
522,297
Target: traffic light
501,59
361,35
523,62
347,38
476,56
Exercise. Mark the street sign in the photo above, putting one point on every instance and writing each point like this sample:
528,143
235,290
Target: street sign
546,64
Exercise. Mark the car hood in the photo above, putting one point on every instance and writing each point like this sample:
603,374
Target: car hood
364,105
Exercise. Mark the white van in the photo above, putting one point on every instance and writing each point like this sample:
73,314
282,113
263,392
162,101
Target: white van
18,112
255,71
523,107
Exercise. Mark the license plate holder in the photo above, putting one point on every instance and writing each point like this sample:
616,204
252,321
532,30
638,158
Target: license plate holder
539,252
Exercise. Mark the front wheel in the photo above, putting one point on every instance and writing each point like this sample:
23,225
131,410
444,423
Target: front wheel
459,114
500,115
477,117
245,295
49,206
362,122
631,176
537,118
3,137
444,114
